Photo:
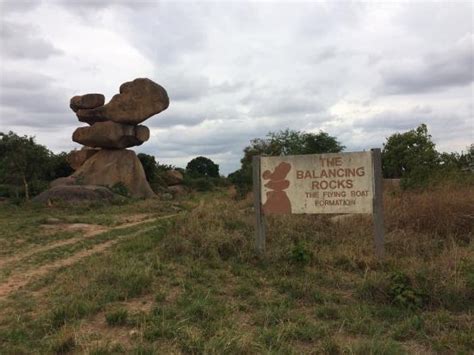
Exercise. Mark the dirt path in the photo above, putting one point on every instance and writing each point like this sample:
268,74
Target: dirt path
91,230
20,279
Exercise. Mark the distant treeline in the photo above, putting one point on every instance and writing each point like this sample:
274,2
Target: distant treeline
410,156
27,168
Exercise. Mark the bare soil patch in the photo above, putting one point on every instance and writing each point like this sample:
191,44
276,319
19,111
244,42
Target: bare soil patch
20,279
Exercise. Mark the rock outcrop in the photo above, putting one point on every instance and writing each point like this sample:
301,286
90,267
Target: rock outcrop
104,162
112,167
138,100
76,193
111,135
87,101
76,158
173,177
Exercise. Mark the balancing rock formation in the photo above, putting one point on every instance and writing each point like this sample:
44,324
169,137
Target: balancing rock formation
113,127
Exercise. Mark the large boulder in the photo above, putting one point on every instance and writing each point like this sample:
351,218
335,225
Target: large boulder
177,190
112,167
138,100
76,193
68,180
86,101
111,135
76,158
173,177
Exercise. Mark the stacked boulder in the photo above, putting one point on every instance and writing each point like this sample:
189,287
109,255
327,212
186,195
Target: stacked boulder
113,127
174,180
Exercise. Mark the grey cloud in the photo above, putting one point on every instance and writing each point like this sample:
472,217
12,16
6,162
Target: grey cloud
182,87
451,67
320,18
326,54
167,32
173,118
442,126
32,99
236,71
34,102
24,80
12,6
281,102
92,8
20,41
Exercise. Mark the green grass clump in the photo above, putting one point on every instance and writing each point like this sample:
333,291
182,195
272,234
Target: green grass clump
117,317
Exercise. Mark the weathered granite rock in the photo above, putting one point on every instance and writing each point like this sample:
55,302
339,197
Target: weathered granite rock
173,177
62,181
177,190
86,101
138,100
110,167
111,135
76,158
76,193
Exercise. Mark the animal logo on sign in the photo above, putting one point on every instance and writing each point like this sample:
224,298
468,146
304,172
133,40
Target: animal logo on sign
277,200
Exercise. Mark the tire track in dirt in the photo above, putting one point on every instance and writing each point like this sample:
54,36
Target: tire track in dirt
19,280
90,232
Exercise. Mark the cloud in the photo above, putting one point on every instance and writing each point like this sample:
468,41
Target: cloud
453,66
15,6
235,71
33,100
21,41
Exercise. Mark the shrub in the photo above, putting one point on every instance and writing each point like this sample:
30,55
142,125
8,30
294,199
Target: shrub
301,254
118,317
120,189
402,292
199,184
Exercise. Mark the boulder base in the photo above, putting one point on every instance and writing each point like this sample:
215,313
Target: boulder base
111,135
76,193
177,190
77,157
68,180
173,177
110,167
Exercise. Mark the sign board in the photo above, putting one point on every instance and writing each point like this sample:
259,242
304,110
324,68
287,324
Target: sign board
319,183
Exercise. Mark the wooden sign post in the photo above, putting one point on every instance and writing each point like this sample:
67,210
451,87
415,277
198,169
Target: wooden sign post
257,196
343,183
378,203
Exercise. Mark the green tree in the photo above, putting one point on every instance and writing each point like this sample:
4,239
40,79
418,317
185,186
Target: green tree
290,142
202,167
284,142
409,155
149,165
59,166
22,161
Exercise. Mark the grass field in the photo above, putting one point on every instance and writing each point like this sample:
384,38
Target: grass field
182,277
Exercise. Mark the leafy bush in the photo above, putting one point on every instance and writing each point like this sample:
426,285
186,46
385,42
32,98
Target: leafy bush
301,254
199,184
403,294
202,166
120,189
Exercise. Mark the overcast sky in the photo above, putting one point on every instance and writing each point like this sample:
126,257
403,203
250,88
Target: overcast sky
235,71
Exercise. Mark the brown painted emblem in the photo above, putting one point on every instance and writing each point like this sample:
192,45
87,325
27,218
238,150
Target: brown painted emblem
277,200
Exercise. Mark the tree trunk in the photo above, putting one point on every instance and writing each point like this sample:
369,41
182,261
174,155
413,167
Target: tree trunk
27,194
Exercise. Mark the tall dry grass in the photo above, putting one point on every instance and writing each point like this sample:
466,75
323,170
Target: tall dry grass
428,237
447,211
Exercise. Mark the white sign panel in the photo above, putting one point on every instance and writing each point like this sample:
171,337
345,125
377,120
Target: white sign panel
317,183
